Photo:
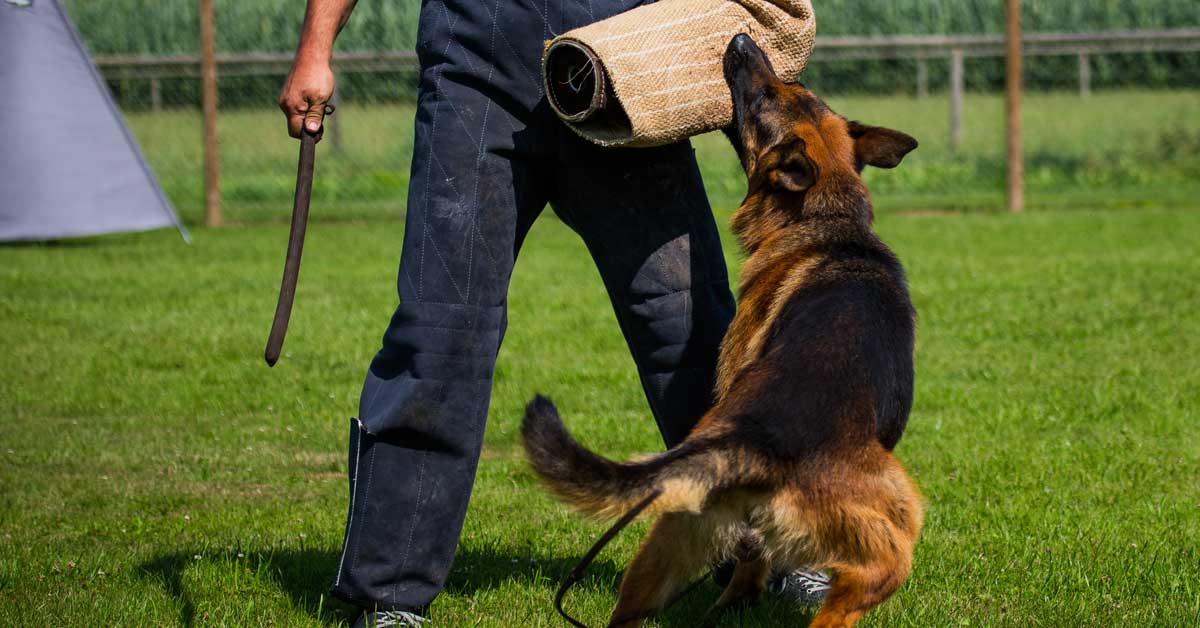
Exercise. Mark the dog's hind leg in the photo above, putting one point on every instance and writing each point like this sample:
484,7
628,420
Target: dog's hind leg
745,587
749,577
678,547
864,535
858,589
874,542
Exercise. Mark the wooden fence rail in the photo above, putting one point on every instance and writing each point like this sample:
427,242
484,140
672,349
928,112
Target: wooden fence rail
828,49
921,48
1033,44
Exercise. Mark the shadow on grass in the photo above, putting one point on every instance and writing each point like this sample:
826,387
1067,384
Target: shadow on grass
87,242
304,576
482,569
770,611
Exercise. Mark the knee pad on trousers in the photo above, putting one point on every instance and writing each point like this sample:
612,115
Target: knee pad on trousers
433,371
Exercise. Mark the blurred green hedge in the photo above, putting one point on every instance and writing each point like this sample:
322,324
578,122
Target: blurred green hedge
170,27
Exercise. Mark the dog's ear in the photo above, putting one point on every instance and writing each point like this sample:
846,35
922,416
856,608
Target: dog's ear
879,147
796,174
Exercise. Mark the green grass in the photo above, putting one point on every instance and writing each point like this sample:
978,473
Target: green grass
1115,149
153,472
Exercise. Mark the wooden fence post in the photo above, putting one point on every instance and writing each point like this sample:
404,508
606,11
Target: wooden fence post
1013,87
922,77
208,102
155,95
1085,75
956,97
333,126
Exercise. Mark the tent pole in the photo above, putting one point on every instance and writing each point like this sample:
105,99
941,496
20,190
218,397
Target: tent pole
208,99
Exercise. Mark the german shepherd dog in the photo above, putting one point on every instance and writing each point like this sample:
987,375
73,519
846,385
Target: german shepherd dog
793,465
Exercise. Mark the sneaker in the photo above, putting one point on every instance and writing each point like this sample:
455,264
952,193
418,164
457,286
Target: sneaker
802,586
390,619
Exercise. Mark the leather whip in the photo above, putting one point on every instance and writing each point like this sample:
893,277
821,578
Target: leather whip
291,266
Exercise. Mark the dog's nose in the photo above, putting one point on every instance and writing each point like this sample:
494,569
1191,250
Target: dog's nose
737,47
743,43
741,47
743,54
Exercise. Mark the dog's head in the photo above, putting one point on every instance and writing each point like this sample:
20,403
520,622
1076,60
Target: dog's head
795,149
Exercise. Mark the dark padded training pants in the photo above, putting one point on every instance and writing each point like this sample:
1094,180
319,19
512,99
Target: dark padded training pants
488,156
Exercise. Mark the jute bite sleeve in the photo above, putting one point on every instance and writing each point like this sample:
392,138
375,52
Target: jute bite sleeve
653,75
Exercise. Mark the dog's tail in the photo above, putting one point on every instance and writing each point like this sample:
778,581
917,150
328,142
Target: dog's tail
599,486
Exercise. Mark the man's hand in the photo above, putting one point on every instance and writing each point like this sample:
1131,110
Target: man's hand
309,85
308,88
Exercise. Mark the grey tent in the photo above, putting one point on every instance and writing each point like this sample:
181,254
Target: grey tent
68,165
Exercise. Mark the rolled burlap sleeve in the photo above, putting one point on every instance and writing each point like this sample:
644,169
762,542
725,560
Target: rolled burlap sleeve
658,68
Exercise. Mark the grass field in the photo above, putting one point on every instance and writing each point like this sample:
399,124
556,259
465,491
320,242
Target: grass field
1115,149
153,472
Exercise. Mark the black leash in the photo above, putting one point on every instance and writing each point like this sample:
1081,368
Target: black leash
580,569
577,573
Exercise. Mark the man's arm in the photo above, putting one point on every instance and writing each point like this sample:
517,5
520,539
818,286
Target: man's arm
310,84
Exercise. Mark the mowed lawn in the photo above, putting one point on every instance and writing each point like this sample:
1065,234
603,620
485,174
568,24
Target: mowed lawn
154,472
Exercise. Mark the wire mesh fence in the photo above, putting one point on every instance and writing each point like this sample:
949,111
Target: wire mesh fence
1112,109
364,161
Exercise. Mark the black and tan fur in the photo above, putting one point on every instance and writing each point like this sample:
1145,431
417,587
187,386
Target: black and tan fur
792,466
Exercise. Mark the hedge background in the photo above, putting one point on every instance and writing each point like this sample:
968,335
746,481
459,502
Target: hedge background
159,27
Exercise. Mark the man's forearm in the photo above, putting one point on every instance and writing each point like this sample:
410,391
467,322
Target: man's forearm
323,21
